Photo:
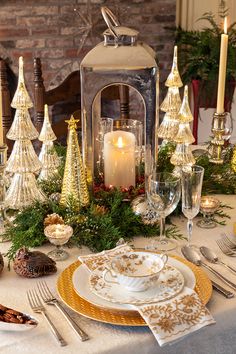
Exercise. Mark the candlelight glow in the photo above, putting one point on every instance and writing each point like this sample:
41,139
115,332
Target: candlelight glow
225,25
120,142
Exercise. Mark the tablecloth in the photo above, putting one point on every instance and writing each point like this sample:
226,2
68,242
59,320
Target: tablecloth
110,339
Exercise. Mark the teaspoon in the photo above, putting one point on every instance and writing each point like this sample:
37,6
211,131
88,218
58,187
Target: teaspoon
191,255
212,257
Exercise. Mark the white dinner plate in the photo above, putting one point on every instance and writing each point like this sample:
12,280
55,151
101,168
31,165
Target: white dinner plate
81,285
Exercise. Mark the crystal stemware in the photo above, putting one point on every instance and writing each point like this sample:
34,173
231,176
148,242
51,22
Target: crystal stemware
163,193
192,178
58,234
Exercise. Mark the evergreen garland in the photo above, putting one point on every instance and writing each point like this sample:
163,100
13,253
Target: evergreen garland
109,215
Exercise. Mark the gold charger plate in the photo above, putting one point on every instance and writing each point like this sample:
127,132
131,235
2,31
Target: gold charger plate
78,304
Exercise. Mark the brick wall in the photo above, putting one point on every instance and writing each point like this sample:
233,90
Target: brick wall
61,32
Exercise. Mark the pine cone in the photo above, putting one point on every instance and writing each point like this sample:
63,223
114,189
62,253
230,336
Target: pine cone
52,219
99,210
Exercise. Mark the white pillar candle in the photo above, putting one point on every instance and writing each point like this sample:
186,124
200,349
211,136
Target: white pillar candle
222,70
119,159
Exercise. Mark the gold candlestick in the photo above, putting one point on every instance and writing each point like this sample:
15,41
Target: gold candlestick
217,143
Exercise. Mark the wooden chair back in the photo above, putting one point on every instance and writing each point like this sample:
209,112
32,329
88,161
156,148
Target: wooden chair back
7,112
70,89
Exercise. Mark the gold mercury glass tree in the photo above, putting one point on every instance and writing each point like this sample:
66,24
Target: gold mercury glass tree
171,104
183,157
48,156
74,180
23,162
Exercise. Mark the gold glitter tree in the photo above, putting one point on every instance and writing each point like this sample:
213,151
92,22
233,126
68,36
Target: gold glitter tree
233,159
74,180
47,156
171,104
184,137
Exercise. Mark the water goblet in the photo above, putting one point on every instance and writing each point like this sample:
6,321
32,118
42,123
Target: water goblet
192,178
163,193
58,234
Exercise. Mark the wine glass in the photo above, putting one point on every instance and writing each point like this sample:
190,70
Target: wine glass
163,193
58,235
192,178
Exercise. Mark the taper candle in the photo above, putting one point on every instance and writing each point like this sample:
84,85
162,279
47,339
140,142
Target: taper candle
222,70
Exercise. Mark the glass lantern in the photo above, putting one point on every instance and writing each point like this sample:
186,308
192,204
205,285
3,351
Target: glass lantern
120,60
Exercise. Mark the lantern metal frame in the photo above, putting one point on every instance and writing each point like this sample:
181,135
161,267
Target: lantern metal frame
120,60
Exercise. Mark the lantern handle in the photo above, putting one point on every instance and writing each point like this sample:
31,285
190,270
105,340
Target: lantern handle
109,17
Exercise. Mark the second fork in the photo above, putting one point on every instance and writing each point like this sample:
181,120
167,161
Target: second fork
37,306
50,299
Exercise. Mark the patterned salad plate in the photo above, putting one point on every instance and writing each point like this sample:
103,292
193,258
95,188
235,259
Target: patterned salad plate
169,284
81,284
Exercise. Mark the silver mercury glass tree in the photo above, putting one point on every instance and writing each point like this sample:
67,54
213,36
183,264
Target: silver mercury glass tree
182,156
23,162
171,104
48,156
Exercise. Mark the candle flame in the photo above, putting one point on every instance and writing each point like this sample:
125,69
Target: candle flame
120,142
225,25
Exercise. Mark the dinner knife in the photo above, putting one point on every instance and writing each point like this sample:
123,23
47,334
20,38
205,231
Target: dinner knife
226,293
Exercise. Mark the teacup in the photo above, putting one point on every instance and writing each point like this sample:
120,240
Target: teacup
136,271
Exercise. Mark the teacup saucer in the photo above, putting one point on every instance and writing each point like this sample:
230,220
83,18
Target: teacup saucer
169,284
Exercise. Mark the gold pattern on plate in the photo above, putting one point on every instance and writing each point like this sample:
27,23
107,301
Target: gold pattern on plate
119,317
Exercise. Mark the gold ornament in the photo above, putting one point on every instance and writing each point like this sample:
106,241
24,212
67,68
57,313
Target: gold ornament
52,219
74,181
233,160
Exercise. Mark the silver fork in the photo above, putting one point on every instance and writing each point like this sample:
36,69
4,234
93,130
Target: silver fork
228,242
37,306
225,249
50,299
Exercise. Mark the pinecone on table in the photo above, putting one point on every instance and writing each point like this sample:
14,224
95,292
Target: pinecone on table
33,264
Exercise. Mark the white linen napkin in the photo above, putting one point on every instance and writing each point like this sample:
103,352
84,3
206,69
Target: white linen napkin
168,320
